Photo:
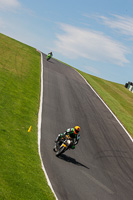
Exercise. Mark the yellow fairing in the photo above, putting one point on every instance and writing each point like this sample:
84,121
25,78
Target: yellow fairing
64,145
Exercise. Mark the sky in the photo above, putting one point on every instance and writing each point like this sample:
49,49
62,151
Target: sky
94,36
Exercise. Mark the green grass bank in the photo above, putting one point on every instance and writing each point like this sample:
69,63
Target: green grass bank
21,175
116,96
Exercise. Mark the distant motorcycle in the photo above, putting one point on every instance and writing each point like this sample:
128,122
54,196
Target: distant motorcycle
62,146
49,56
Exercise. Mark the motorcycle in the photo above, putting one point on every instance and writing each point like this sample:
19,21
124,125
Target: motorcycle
49,56
62,146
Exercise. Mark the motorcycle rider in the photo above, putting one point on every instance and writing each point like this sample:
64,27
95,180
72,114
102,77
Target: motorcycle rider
50,53
74,136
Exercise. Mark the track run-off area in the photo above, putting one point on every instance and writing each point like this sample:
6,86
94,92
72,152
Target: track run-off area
101,165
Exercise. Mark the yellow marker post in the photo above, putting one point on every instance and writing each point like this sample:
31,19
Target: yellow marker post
29,130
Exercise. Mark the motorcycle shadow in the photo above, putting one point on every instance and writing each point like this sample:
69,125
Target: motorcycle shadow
72,160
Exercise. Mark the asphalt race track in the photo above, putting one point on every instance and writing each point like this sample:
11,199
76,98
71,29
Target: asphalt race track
101,166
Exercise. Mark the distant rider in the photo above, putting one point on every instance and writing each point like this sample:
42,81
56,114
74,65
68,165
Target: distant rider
51,53
74,136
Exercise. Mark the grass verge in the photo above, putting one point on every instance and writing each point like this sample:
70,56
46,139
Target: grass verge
21,175
116,96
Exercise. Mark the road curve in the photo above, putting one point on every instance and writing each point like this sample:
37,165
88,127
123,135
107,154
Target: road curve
101,166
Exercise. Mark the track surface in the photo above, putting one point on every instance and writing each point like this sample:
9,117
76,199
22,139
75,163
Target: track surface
101,166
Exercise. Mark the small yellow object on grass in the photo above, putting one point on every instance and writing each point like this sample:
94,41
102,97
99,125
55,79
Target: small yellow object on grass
29,130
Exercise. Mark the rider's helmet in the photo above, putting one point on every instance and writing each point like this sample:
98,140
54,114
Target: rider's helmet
76,129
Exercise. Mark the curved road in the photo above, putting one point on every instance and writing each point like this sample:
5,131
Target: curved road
101,166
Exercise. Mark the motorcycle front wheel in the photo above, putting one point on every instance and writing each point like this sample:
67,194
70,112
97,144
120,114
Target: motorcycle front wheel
48,59
60,151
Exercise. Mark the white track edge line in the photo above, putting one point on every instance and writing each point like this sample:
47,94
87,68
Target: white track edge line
106,106
39,128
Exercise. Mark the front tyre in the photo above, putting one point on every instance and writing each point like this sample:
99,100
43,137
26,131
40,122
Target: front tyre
60,151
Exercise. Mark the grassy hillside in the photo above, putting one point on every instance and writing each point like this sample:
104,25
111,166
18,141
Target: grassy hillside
21,176
116,96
